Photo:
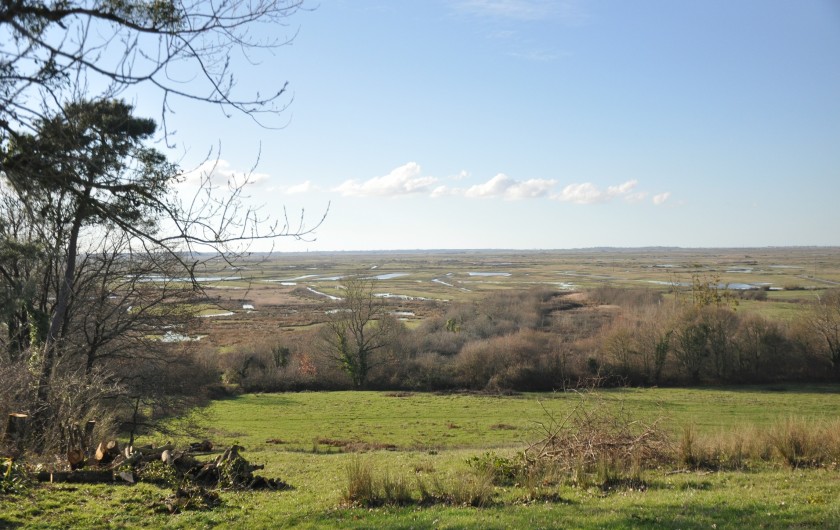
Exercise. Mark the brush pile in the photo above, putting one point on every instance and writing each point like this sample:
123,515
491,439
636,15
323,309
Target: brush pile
598,435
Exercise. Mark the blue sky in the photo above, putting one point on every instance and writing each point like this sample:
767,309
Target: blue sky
539,124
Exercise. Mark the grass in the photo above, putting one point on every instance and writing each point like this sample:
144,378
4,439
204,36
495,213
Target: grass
434,437
431,421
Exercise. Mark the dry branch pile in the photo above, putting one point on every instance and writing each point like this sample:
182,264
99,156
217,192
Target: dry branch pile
597,434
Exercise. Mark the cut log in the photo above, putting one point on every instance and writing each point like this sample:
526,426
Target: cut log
82,477
76,458
16,431
87,437
152,450
107,451
204,446
126,476
184,462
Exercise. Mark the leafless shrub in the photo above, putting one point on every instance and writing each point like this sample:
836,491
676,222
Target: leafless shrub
501,362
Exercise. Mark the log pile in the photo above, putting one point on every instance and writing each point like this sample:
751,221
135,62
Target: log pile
229,470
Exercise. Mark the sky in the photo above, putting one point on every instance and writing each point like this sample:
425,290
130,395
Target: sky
540,124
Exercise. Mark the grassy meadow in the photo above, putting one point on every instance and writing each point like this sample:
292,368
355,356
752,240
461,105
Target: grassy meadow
312,439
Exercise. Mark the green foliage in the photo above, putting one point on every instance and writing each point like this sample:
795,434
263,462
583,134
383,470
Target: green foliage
280,355
14,478
503,471
158,472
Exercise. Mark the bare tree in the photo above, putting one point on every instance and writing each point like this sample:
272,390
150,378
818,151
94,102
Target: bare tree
357,330
824,323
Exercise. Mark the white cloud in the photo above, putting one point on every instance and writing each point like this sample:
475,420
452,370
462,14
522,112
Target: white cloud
530,189
588,193
503,186
404,180
445,191
568,11
514,9
220,173
622,189
661,198
639,196
303,187
409,180
492,188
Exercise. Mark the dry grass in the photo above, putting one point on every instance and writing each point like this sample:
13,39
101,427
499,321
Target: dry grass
794,443
368,488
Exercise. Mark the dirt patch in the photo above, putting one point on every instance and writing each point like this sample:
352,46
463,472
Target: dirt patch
355,446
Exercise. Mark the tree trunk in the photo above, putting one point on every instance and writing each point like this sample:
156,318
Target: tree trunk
16,431
42,415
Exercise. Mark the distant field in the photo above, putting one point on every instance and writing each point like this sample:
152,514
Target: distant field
291,291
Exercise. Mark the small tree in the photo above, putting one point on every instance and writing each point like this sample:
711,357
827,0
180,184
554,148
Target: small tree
357,330
824,323
691,344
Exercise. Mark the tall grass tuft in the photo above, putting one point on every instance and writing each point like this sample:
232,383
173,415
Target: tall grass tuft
806,444
470,489
361,490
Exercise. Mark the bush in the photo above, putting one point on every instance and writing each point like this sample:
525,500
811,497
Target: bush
805,444
14,478
503,471
502,363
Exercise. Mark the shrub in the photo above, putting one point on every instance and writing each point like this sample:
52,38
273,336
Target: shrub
14,478
503,471
798,443
500,363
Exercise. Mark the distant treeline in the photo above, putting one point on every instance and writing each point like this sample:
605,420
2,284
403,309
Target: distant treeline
542,340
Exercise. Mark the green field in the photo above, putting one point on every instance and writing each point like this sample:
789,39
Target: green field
309,439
